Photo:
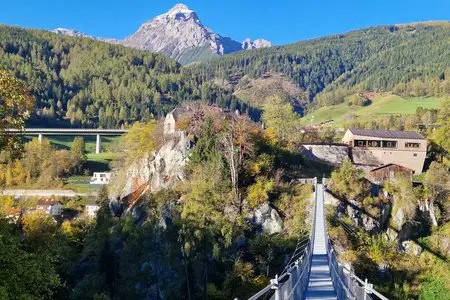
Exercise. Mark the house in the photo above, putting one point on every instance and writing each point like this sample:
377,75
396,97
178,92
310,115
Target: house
91,209
389,172
100,178
383,147
49,206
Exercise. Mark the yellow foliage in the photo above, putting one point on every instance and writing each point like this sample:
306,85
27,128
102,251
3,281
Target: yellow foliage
39,226
140,138
271,136
66,227
261,166
258,192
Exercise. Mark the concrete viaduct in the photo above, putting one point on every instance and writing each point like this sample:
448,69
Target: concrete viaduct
40,132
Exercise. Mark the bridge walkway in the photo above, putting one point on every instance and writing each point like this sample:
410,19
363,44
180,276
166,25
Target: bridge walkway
317,274
320,284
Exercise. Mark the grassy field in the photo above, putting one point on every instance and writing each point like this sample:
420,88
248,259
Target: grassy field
95,163
100,162
381,105
65,142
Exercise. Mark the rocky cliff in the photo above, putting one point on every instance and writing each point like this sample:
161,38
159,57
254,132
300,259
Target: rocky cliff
158,170
256,44
178,34
70,32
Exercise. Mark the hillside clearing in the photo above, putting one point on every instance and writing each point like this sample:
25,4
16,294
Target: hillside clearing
381,105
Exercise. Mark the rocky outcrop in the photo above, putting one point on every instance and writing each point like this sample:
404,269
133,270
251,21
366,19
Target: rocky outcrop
248,44
267,219
159,170
329,199
70,32
412,247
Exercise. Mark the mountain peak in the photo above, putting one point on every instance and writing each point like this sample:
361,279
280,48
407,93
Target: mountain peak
256,44
180,7
178,34
180,11
69,32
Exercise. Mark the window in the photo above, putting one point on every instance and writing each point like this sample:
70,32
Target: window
412,145
389,144
360,143
415,154
375,144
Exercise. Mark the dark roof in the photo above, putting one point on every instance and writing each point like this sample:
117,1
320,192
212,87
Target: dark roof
48,202
389,165
389,134
324,144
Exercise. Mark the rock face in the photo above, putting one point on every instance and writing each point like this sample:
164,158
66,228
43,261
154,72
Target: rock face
178,34
70,32
162,169
267,218
256,44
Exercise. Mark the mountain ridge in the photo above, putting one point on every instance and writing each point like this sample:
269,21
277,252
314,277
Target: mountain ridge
178,34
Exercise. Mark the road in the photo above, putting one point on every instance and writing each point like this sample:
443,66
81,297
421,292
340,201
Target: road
44,193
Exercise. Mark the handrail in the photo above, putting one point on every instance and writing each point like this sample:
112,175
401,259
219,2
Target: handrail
344,290
345,282
299,269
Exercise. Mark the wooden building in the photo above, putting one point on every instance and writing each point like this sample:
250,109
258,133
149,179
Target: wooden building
389,172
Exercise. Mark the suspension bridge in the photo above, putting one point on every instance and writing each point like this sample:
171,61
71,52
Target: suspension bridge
313,272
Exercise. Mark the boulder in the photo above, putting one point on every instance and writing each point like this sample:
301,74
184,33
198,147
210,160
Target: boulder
391,235
330,199
266,219
412,247
369,223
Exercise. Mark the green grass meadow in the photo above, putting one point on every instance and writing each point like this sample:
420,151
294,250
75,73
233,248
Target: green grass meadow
95,162
64,142
381,105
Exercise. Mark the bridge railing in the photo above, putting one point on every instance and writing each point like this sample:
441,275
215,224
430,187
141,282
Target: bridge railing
292,282
345,281
347,284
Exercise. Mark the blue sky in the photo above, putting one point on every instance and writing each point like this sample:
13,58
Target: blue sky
281,21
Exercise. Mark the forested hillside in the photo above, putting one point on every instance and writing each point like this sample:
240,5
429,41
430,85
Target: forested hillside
81,82
410,60
92,83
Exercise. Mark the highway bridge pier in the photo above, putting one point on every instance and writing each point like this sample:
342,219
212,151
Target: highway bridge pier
40,132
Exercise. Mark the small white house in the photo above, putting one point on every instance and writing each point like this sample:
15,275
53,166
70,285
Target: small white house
91,209
50,207
100,178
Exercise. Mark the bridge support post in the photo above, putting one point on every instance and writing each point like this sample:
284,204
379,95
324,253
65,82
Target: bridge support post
276,286
40,136
98,145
